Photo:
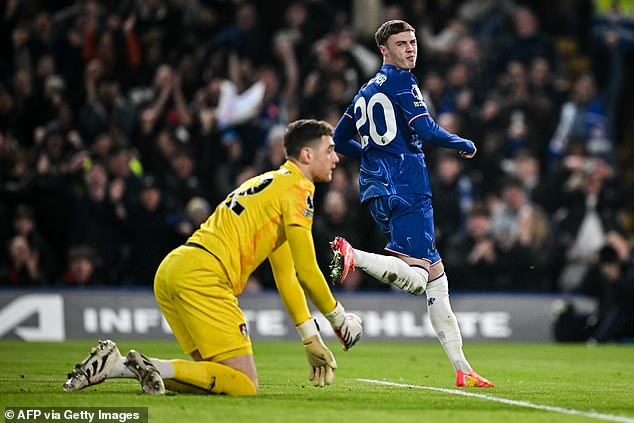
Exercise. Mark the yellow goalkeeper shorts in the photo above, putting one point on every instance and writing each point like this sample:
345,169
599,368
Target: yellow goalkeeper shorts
197,301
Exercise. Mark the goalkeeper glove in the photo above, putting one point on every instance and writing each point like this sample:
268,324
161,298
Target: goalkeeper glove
347,326
321,362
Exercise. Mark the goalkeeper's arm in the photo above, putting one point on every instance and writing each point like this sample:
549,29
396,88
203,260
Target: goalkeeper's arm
321,362
304,259
347,326
287,284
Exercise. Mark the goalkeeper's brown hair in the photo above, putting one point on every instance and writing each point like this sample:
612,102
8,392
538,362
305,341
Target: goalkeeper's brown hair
395,26
303,133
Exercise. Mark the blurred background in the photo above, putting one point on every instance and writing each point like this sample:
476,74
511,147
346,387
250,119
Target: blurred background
124,123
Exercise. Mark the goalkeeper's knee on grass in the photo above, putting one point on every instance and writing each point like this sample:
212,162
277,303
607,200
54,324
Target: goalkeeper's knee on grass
209,377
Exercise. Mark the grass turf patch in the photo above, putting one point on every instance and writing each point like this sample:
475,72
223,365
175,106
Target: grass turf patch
588,379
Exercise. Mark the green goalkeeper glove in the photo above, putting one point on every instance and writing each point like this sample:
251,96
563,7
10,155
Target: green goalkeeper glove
321,362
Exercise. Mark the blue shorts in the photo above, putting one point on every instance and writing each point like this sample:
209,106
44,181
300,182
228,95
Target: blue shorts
408,220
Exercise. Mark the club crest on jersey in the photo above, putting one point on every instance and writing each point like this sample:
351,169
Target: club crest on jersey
243,330
418,96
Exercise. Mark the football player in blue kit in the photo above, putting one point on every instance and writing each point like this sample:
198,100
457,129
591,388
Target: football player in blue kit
391,118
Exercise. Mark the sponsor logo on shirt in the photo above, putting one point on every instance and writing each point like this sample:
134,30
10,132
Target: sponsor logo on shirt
418,96
310,206
416,92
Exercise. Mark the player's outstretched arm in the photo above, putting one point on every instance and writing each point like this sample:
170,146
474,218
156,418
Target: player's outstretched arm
428,129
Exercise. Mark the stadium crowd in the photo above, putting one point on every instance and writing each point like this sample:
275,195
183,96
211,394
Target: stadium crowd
123,123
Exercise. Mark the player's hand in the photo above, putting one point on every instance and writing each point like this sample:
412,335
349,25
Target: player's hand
467,155
321,362
347,326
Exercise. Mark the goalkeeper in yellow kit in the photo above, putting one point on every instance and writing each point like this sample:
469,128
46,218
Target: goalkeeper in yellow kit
269,216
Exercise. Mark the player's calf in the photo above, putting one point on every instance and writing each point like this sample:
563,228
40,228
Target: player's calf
388,269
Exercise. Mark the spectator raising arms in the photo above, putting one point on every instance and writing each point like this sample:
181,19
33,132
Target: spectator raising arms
194,93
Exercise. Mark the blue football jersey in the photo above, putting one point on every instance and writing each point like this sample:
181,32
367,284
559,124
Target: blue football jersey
391,118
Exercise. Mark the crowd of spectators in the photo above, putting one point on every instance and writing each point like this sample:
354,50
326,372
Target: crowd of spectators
122,124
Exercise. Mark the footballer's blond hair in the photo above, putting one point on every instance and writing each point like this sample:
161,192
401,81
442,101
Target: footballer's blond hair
395,26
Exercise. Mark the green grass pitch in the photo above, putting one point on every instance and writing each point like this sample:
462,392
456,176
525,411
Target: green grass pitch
587,383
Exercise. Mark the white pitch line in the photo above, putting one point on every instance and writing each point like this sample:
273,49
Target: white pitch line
526,404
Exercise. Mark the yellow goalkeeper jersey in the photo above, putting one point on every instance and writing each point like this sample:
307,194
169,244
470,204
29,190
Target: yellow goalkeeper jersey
250,223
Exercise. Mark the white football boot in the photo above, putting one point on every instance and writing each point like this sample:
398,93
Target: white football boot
146,372
94,369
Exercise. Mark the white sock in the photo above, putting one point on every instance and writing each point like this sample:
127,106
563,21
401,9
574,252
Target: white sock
444,322
392,270
120,371
165,368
